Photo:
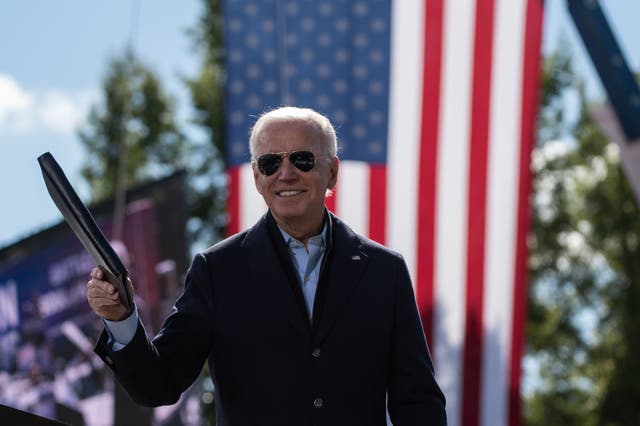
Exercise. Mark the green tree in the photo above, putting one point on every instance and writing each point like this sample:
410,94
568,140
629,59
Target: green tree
208,155
585,277
136,122
131,135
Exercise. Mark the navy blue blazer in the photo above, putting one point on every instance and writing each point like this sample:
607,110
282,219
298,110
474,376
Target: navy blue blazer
243,310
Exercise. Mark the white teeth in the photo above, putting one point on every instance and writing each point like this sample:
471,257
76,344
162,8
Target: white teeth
288,193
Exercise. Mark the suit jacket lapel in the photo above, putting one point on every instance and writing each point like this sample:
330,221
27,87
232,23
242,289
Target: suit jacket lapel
346,267
267,257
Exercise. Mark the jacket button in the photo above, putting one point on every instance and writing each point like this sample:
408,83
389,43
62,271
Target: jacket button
318,403
316,353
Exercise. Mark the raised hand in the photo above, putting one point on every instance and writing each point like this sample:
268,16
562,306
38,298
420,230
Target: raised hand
104,298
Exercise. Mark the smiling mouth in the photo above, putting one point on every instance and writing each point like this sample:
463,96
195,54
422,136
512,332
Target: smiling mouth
288,193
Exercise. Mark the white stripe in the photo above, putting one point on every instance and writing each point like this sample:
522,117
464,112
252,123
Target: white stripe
451,205
405,106
502,207
352,203
252,206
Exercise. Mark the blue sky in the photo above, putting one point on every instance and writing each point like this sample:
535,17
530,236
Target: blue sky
53,56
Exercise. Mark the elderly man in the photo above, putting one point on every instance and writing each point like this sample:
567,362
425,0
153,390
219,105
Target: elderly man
303,321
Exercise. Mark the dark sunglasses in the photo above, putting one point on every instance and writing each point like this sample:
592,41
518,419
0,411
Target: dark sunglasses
304,161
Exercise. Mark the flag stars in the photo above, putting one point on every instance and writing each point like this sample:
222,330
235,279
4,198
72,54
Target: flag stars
269,56
336,59
253,102
359,102
290,70
308,24
322,101
340,87
360,41
359,132
340,116
360,71
378,25
376,118
237,117
291,40
268,25
326,8
360,9
342,56
235,25
306,55
252,40
306,85
324,40
269,87
253,71
289,99
251,9
293,8
237,86
236,56
323,71
376,148
342,25
376,56
237,147
376,88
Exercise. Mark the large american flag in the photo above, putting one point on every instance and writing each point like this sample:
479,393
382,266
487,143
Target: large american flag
434,104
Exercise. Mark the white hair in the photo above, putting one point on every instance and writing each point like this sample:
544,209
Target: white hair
308,115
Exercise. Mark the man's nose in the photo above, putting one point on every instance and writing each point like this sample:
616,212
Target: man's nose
287,170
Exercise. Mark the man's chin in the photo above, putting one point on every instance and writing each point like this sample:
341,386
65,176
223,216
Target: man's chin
287,215
291,214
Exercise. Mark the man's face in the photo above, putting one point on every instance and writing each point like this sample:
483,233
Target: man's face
293,196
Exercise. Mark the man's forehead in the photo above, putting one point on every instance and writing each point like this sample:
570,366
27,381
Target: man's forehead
291,130
288,123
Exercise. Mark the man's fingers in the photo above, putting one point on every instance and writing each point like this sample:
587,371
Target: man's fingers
105,286
104,298
97,273
103,301
99,294
99,302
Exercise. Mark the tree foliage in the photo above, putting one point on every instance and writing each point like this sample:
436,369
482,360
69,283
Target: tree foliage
585,274
134,123
208,156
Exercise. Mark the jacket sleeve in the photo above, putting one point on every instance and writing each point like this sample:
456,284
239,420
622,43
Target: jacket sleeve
156,372
414,396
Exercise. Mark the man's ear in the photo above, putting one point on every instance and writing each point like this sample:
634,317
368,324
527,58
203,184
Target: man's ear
335,165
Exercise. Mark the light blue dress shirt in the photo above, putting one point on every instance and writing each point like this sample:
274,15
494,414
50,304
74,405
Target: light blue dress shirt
122,332
306,260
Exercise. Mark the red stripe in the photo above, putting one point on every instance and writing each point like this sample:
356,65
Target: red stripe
427,170
377,203
476,212
330,201
531,81
233,201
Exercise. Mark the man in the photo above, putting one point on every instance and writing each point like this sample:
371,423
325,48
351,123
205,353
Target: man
303,322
